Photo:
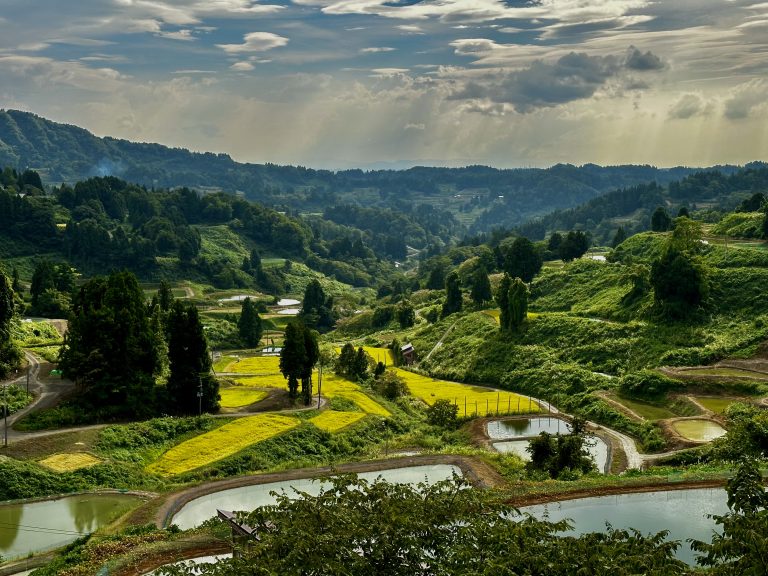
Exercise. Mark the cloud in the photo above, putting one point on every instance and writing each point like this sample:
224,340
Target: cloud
412,126
572,77
410,29
184,34
33,47
376,50
242,67
255,42
49,72
385,72
636,60
745,98
688,106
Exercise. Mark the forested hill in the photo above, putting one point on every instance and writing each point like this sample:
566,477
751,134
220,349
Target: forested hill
479,197
708,194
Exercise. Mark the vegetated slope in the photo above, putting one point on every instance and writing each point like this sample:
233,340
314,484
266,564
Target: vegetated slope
707,194
583,326
478,196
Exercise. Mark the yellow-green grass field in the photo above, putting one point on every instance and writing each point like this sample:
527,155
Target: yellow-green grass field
495,313
221,443
714,404
333,385
69,462
254,365
471,400
378,354
333,421
645,409
239,396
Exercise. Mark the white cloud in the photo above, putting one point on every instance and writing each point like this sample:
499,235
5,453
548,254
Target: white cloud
33,47
688,106
410,28
185,34
376,49
242,67
415,126
746,98
255,42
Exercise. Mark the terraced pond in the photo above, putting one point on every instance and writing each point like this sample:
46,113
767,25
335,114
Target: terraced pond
698,429
201,509
522,428
683,512
34,527
598,449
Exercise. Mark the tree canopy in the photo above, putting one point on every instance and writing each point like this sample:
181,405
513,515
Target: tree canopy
110,350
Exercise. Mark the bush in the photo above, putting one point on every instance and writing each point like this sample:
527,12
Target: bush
647,384
443,413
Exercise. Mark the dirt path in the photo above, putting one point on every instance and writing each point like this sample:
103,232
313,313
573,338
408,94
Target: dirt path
440,342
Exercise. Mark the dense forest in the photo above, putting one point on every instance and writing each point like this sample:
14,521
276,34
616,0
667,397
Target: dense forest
479,197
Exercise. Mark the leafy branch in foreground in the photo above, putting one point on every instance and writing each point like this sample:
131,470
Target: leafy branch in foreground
354,527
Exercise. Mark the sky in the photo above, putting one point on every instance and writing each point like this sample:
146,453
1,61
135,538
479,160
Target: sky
393,83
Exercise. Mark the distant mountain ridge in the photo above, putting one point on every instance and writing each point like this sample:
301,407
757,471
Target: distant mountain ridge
480,197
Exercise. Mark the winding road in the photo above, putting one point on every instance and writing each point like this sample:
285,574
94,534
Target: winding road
50,391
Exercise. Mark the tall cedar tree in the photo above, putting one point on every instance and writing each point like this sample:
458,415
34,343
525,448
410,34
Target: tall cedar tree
502,299
660,220
453,300
190,363
249,324
522,260
165,296
518,303
10,355
481,287
574,245
345,363
619,237
311,355
317,308
110,350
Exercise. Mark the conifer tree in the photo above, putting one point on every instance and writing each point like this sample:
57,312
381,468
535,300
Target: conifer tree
453,301
518,303
191,387
481,287
502,299
249,324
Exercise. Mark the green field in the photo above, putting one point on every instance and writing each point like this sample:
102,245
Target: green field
648,411
714,404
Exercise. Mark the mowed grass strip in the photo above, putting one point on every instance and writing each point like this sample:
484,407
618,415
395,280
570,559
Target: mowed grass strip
240,396
333,421
69,462
471,400
221,443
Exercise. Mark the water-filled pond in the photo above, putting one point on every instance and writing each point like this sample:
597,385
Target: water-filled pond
521,428
288,302
289,311
250,497
596,446
38,526
196,561
682,512
699,430
237,298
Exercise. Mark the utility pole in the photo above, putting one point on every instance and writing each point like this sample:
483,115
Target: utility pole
29,367
199,396
5,412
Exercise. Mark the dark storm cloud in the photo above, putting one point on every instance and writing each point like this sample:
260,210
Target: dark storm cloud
574,76
636,60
